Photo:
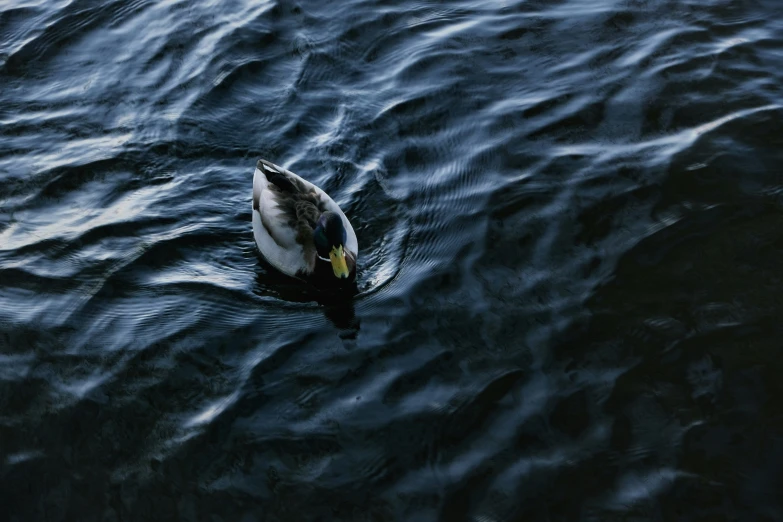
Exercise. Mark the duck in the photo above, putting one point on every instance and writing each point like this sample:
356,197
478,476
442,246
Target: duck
299,229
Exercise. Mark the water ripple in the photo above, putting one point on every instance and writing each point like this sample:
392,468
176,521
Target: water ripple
567,215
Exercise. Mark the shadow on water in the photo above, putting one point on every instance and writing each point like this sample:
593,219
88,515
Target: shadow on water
690,322
694,414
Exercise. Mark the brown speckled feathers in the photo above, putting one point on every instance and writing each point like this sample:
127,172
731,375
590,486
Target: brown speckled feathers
300,206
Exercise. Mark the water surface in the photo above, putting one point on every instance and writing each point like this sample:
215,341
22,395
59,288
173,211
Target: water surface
569,218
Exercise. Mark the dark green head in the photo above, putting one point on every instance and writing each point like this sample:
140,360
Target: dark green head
329,237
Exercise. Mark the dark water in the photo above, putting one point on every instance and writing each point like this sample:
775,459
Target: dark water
570,218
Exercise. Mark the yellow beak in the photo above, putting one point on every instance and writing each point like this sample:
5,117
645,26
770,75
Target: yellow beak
337,257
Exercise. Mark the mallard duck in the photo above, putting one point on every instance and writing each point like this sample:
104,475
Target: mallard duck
299,229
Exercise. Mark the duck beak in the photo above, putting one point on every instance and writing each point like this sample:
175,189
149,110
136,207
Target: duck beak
337,257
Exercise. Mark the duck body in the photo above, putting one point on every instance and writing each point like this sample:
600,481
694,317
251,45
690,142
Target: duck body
299,229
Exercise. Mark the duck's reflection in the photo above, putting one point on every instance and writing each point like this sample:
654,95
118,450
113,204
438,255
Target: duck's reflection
337,303
339,309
